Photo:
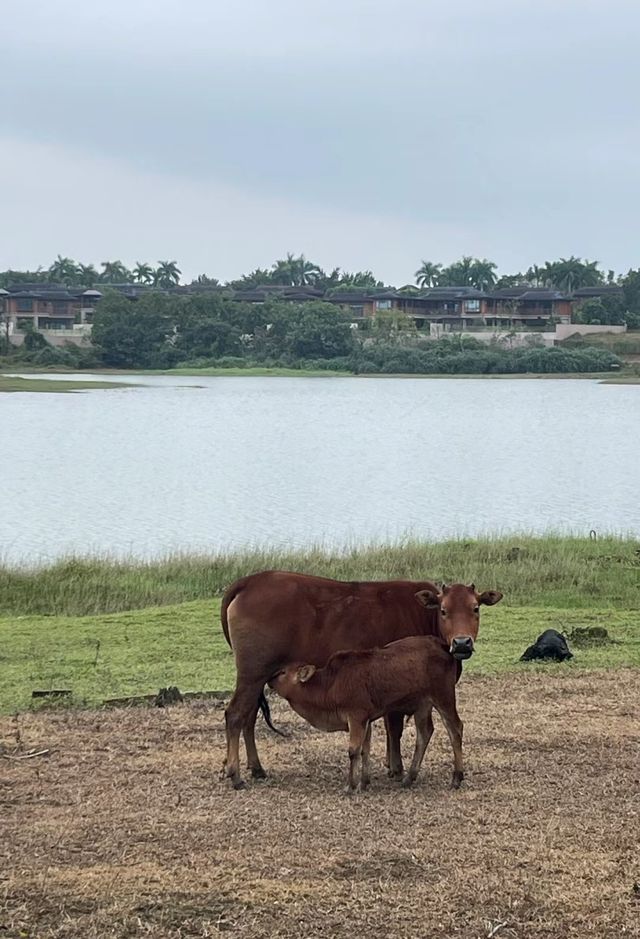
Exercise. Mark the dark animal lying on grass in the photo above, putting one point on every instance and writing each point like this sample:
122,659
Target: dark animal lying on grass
409,676
549,645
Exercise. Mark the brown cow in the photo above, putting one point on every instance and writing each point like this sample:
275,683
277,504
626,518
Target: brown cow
410,676
276,617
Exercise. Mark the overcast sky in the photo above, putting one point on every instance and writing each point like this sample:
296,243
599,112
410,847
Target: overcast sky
364,133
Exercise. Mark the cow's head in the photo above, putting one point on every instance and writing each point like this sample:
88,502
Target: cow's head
288,679
458,608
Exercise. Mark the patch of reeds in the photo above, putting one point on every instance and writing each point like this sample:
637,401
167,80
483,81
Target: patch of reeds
541,571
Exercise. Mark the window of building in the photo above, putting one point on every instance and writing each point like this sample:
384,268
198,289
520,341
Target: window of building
44,322
472,306
60,306
25,306
383,304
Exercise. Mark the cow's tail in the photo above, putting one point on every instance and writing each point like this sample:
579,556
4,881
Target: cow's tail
229,596
263,704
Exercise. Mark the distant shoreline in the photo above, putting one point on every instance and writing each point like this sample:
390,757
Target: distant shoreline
12,384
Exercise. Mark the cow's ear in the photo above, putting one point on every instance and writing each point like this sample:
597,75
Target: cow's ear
428,598
306,672
471,587
489,597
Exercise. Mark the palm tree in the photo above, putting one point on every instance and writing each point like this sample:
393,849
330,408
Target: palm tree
114,272
167,274
250,281
296,272
63,271
362,279
482,274
428,274
538,276
282,272
458,274
569,274
306,273
87,275
512,280
143,273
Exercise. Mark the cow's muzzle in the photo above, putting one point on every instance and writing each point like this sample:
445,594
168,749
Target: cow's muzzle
461,647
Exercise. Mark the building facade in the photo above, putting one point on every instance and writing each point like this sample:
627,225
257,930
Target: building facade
47,307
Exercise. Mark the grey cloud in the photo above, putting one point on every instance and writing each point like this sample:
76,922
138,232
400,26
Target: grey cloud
457,114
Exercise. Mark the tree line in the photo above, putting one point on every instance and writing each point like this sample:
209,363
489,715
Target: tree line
565,274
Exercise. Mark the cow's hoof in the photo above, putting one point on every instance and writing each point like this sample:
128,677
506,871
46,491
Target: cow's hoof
364,785
257,772
408,782
456,780
349,791
239,784
395,773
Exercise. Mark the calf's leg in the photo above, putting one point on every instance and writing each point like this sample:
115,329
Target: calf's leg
394,724
358,726
424,730
454,727
365,776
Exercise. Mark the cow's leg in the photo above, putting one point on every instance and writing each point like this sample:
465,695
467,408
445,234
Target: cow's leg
454,727
241,707
365,776
394,724
424,729
357,736
253,760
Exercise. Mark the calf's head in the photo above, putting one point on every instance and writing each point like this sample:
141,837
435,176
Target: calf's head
288,680
458,607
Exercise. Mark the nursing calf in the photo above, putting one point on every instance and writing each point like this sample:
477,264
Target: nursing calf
411,676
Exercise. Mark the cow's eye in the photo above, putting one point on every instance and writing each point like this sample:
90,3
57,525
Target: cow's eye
476,610
443,612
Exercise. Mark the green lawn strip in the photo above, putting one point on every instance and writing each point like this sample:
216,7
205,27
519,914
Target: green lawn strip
10,384
141,651
257,372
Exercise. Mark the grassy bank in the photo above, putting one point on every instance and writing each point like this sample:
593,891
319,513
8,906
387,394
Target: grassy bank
259,372
629,376
140,651
105,629
550,571
9,383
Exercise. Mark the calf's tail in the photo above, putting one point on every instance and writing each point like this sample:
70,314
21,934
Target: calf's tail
263,704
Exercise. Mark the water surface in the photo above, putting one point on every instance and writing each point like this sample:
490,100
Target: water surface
238,462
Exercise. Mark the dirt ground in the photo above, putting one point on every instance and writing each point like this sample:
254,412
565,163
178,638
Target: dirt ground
125,829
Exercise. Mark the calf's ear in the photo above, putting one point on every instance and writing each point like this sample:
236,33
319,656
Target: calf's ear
305,673
489,597
428,598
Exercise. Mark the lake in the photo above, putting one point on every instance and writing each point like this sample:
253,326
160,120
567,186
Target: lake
207,463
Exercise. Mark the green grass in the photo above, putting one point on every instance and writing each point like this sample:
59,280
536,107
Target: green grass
551,571
104,628
141,651
329,373
257,371
10,384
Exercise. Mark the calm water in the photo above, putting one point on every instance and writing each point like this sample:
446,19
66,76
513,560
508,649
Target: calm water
275,461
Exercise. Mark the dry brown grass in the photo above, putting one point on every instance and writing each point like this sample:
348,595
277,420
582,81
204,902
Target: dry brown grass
125,829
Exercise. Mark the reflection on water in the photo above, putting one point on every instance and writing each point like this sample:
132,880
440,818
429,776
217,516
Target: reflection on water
275,461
